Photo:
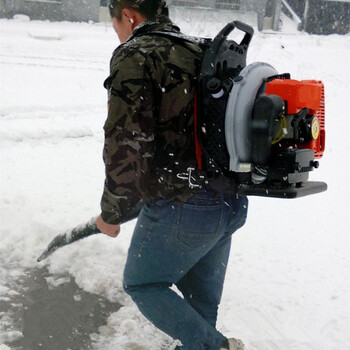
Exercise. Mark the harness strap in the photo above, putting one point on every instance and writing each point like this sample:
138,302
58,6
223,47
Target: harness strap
199,151
180,37
196,177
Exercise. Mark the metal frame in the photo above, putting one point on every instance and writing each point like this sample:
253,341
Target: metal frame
46,1
228,4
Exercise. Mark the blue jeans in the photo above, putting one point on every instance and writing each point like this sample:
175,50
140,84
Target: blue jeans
187,245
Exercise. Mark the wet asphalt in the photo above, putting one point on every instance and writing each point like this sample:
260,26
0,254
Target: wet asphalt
54,317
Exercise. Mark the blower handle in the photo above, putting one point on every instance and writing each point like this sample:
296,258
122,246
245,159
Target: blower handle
210,56
245,28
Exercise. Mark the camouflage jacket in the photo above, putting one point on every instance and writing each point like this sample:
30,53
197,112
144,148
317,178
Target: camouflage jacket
149,129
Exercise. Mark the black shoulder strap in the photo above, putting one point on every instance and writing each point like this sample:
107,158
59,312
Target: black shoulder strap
203,43
191,39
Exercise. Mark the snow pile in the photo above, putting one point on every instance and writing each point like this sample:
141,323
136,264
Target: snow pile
286,286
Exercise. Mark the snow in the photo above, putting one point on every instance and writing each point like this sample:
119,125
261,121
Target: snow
287,281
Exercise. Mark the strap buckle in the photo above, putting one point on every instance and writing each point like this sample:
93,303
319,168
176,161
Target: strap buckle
190,178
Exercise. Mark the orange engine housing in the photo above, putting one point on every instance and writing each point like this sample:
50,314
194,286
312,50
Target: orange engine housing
303,94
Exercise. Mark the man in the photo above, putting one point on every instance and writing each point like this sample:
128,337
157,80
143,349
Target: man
182,236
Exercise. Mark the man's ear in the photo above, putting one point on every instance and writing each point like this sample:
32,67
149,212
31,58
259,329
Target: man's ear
127,13
133,17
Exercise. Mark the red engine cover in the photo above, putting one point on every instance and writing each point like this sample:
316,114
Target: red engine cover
303,94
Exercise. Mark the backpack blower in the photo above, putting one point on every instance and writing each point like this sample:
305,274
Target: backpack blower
262,130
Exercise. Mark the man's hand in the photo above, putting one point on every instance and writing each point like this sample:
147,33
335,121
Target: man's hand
108,229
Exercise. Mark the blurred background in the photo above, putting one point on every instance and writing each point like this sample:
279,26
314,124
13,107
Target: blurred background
312,16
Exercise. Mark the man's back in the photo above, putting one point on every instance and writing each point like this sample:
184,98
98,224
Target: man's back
151,105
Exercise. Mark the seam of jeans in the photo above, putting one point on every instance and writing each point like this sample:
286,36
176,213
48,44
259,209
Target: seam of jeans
241,221
213,235
177,206
201,207
221,218
148,230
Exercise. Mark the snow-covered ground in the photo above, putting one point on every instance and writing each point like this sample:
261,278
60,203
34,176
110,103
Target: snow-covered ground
288,279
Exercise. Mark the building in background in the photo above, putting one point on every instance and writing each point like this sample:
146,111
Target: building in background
323,16
53,10
315,16
235,6
96,10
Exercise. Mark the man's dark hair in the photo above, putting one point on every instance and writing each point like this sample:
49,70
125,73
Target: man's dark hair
147,8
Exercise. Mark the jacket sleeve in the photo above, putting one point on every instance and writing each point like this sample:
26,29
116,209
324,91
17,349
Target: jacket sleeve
129,136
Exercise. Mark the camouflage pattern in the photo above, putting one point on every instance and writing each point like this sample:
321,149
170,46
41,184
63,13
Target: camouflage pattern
149,129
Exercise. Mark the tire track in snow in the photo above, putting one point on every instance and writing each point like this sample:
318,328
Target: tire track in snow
70,60
55,57
50,125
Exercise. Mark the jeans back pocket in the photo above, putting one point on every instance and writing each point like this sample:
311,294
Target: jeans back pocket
199,225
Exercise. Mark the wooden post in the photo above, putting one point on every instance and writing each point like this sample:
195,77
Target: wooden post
277,15
306,12
272,14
